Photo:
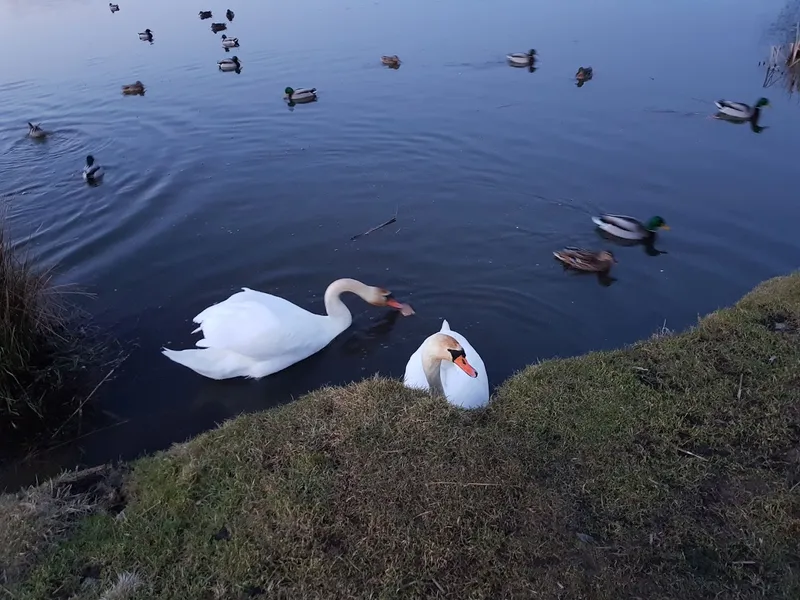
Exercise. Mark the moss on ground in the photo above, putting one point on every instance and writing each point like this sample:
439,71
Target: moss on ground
670,469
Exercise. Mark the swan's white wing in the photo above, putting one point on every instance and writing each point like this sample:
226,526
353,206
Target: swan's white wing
461,389
415,374
262,327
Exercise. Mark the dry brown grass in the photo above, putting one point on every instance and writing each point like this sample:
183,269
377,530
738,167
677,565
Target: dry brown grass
666,470
48,359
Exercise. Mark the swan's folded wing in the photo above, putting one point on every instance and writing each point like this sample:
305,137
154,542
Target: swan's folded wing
251,328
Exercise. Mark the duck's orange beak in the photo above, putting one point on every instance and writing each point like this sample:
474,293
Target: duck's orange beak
461,363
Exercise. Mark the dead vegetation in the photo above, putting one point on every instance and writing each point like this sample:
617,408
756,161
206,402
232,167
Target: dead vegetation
49,357
670,469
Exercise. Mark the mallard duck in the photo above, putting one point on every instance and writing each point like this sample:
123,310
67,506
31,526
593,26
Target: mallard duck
205,14
628,228
391,61
229,64
92,171
229,14
584,74
133,89
586,260
229,42
146,36
519,59
36,132
217,27
113,7
300,95
739,110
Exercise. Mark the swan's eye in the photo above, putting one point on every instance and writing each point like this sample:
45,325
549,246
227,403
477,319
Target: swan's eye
457,354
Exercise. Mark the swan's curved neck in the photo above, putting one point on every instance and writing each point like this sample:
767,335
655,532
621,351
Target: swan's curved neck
336,309
432,367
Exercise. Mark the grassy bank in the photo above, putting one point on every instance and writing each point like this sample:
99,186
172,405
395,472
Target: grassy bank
670,469
47,357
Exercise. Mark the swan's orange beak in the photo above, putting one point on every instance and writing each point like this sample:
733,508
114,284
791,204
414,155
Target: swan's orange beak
405,309
461,363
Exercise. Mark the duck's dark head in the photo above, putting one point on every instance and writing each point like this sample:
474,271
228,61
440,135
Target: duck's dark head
89,160
656,223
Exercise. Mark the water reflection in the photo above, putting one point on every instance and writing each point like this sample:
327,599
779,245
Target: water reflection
648,244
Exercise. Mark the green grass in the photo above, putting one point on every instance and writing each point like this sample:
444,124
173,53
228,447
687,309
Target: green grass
670,469
47,357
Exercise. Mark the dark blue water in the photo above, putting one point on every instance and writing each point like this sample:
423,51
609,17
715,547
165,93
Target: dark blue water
213,183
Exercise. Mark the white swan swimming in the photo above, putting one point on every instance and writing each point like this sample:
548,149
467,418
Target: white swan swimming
447,364
253,334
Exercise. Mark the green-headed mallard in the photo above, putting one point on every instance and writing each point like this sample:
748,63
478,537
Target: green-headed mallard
300,95
628,228
520,59
146,36
92,172
133,89
391,61
586,260
36,132
229,42
229,64
740,110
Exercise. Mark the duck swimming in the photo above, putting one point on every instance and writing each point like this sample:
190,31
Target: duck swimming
113,7
586,260
92,172
583,75
391,61
520,59
300,95
36,132
229,14
205,14
740,110
217,27
230,64
628,228
133,89
146,36
229,42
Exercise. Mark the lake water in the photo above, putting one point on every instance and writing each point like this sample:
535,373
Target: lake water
213,183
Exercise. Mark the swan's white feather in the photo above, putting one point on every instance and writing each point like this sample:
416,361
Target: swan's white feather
253,334
459,388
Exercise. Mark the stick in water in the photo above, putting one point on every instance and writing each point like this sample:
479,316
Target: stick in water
381,226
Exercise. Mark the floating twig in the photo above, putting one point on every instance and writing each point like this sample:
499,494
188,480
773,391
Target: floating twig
89,397
381,226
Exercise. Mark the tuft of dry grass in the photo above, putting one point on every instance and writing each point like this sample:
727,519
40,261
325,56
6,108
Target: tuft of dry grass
670,469
36,517
47,357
